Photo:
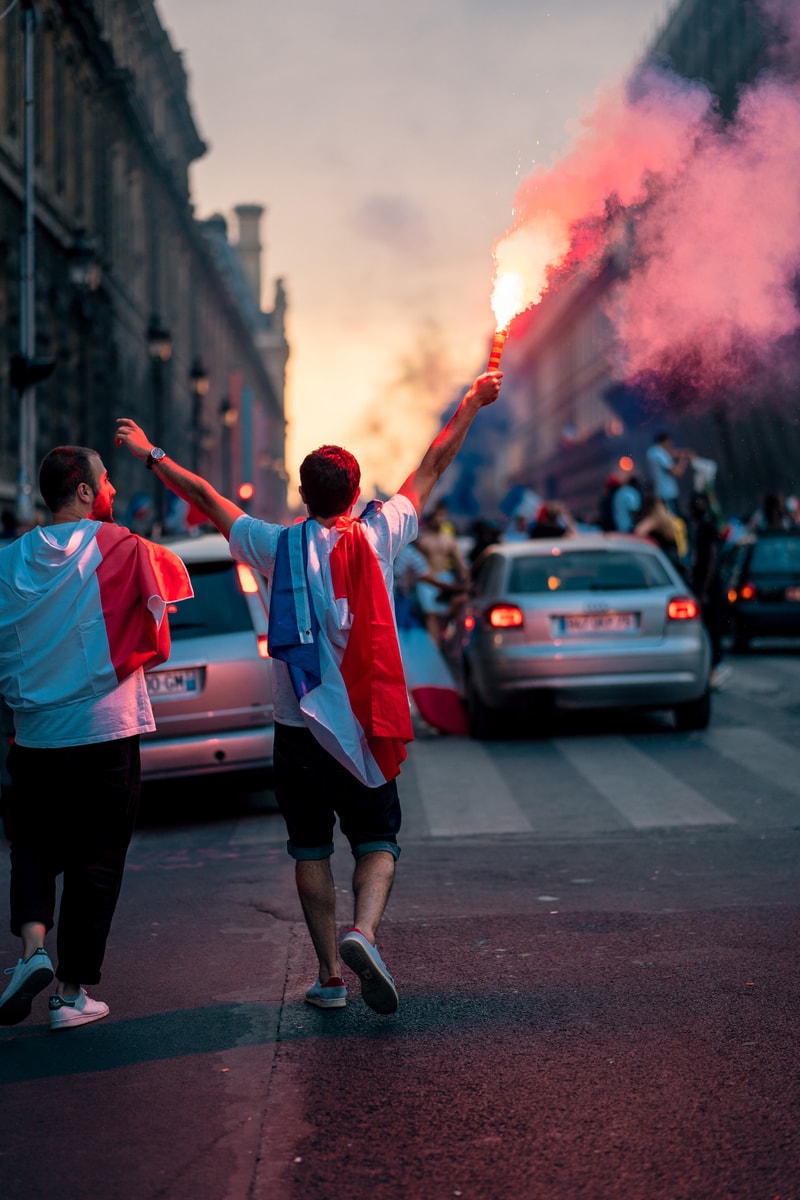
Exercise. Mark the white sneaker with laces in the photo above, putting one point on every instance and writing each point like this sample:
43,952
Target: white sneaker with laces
69,1011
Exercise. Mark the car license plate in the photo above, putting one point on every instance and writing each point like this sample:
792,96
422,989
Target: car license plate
793,594
172,683
599,623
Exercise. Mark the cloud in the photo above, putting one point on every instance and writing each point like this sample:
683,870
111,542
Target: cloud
393,221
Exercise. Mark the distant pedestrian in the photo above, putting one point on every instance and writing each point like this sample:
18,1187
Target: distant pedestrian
706,581
82,613
447,567
342,716
553,520
666,465
605,512
626,505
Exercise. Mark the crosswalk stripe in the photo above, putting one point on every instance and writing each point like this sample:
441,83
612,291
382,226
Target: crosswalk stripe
760,753
643,792
463,792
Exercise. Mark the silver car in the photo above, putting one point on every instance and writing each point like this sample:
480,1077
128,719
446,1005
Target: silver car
581,622
212,699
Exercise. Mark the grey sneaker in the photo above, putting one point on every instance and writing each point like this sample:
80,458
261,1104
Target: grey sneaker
28,978
69,1011
377,985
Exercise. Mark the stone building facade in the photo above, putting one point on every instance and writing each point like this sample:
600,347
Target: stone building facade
132,296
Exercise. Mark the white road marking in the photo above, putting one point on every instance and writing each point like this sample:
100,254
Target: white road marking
463,792
643,792
760,753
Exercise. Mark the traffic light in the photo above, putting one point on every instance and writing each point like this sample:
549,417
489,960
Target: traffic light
27,372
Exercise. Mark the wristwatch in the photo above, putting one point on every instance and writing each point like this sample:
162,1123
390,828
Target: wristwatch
155,456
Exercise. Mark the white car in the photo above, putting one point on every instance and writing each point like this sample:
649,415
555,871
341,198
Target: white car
212,699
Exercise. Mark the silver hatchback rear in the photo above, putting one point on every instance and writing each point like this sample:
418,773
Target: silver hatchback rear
212,699
583,622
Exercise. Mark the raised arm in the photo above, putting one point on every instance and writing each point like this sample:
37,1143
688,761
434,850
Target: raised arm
446,445
193,488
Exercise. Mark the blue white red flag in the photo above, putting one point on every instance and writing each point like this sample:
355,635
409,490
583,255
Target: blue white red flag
348,680
81,608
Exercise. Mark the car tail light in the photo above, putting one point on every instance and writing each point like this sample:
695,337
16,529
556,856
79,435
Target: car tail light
682,608
505,616
263,646
747,592
247,580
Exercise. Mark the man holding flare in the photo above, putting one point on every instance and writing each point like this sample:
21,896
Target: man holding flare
341,705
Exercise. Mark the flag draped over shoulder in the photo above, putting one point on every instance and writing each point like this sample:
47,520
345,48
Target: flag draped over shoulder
81,608
355,701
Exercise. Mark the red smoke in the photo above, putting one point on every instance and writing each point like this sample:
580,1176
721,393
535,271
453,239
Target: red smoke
709,213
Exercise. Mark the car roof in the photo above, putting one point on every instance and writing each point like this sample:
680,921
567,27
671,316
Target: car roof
582,541
206,547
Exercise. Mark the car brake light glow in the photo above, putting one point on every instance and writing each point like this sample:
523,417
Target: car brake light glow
505,616
682,608
263,646
747,592
247,580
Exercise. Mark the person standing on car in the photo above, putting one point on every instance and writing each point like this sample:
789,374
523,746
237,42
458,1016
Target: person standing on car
342,717
667,465
82,604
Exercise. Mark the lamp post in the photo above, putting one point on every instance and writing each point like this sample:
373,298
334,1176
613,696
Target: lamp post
26,369
159,346
228,416
199,384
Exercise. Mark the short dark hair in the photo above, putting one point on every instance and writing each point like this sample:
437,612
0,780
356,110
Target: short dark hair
662,437
329,477
62,470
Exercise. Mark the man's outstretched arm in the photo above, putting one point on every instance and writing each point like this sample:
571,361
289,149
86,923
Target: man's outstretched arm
193,488
446,445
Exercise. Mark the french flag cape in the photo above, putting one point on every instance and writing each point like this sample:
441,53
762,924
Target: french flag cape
81,611
347,675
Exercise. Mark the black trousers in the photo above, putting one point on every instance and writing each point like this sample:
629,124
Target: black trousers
72,813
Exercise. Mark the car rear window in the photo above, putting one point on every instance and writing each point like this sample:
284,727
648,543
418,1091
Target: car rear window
218,605
776,556
587,570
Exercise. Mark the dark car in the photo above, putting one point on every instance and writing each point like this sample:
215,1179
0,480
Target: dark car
592,621
762,580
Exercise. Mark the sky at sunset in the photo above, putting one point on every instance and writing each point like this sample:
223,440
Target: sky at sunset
386,143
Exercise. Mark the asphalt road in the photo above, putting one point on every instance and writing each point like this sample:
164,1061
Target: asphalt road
594,937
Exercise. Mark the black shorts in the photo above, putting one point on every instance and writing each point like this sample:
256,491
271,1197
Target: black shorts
313,789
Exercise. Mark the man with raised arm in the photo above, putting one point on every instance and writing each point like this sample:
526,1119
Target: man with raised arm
342,718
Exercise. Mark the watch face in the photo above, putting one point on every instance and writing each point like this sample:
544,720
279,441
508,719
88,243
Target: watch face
157,454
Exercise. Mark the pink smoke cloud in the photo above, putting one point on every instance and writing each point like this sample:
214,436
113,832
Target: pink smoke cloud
705,212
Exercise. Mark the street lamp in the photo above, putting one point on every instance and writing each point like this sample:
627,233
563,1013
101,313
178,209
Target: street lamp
26,369
85,270
199,384
228,416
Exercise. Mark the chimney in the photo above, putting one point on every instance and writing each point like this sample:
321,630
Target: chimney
249,245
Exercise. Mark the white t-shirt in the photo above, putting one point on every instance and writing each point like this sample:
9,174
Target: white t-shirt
389,528
123,712
665,485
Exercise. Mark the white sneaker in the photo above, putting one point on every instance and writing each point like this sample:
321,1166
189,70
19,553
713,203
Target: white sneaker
68,1011
28,978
